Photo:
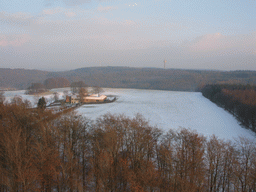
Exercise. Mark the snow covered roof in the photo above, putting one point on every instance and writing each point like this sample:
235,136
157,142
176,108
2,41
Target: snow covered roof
74,97
96,96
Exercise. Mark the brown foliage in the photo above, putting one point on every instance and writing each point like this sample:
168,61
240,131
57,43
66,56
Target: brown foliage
2,97
57,82
247,96
20,138
115,153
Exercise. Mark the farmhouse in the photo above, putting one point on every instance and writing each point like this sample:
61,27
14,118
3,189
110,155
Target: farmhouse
68,99
95,98
72,99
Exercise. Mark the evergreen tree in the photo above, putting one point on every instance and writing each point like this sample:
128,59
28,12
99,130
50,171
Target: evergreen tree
2,97
41,103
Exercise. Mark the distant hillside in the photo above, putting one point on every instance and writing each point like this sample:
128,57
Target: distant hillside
126,77
20,78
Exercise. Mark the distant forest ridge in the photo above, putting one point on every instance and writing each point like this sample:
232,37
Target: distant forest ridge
128,77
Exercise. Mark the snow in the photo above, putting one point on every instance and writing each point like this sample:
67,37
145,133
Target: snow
164,109
34,98
171,110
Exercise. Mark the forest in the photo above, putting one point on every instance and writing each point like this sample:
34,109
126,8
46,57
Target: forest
239,100
124,77
42,152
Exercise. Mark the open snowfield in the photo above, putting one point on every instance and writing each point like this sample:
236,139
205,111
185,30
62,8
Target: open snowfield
171,110
165,109
33,98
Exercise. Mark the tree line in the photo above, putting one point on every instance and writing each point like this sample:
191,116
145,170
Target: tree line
239,100
127,77
115,153
50,83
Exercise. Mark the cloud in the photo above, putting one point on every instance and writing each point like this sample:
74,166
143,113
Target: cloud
70,14
209,42
18,19
13,40
89,38
106,9
67,2
52,26
218,43
54,11
75,2
89,27
104,33
59,10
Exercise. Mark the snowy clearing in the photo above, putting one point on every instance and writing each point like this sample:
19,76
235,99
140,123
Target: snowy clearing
171,110
165,109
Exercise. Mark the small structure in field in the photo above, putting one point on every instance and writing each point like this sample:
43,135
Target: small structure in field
75,99
72,99
94,98
68,99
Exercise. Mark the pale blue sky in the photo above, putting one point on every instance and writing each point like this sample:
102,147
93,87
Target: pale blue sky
69,34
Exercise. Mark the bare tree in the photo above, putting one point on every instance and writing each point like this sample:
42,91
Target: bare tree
243,171
56,96
97,90
120,143
82,93
214,161
75,86
65,93
116,153
189,161
36,88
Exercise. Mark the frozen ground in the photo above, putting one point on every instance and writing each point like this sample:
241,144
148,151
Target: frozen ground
171,110
34,98
165,109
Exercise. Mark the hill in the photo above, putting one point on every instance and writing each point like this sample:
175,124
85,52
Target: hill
127,77
20,78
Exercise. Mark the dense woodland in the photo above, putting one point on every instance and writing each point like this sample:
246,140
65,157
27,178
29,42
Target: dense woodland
125,77
50,83
40,151
56,82
240,100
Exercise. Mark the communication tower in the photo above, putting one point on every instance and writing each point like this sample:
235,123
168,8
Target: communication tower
164,63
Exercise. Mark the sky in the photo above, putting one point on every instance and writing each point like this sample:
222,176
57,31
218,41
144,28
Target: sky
68,34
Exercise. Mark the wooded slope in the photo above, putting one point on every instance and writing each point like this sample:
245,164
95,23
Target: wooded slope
239,100
126,77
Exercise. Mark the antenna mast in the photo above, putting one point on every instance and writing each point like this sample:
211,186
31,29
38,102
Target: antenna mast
164,63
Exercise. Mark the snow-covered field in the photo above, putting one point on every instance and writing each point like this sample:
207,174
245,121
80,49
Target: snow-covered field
165,109
34,98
